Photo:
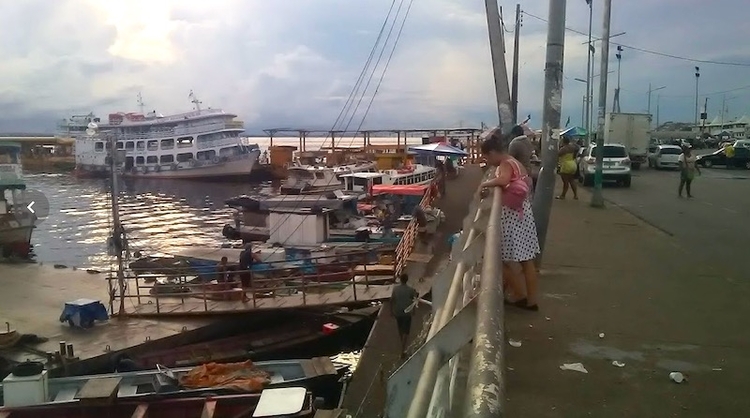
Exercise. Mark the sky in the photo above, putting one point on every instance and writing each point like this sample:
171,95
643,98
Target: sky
293,63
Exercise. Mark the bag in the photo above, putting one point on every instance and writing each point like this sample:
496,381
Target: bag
516,192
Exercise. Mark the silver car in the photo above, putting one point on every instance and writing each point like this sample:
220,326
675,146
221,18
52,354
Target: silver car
665,156
616,166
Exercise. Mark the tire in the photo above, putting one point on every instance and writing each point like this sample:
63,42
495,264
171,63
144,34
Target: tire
747,164
588,180
708,164
626,182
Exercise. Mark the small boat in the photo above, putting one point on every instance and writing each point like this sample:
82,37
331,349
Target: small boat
16,221
246,377
280,403
288,337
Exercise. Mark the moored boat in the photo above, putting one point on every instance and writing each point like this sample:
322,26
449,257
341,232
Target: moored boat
16,220
203,144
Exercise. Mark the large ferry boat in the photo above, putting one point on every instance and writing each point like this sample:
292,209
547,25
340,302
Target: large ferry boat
201,144
16,221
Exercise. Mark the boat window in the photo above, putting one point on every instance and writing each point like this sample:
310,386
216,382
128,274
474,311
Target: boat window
167,143
140,146
357,181
185,156
139,160
229,151
377,180
152,159
319,175
120,145
166,159
206,155
129,146
185,142
153,145
99,146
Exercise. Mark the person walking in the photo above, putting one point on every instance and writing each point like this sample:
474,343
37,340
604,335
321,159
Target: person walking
567,167
403,298
688,168
519,244
729,152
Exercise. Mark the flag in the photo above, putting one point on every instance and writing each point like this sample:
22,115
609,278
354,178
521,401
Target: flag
567,122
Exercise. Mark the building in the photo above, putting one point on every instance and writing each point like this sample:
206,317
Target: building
733,128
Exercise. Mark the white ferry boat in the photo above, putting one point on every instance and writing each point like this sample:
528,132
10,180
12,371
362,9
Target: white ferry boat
16,221
202,144
416,174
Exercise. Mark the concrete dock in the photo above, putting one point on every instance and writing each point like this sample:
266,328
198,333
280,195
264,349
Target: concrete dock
365,395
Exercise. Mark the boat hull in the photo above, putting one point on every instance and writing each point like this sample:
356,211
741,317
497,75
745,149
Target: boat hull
16,240
238,169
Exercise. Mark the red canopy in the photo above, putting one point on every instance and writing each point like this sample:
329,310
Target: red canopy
408,190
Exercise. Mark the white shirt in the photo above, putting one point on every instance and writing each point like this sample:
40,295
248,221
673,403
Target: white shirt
689,162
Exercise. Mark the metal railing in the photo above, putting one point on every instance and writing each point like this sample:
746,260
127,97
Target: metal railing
406,244
459,370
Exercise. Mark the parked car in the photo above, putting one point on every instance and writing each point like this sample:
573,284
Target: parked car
616,165
664,156
742,143
719,158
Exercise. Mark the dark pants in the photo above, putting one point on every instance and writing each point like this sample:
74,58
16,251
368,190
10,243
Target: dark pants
404,324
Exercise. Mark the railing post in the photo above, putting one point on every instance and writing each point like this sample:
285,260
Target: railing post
485,389
205,297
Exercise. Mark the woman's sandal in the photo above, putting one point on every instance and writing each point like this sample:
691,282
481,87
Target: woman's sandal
560,197
523,304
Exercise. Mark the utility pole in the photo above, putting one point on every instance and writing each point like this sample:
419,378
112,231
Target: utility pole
597,200
553,80
616,102
516,57
589,58
697,78
497,49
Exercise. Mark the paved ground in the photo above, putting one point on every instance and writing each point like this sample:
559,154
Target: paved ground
710,227
667,298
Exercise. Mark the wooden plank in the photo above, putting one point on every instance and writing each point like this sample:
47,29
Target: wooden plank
141,411
419,258
209,408
100,390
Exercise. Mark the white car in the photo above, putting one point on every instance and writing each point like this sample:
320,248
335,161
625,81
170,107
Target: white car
665,156
616,165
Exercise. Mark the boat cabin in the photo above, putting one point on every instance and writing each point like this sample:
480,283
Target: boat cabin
305,226
11,175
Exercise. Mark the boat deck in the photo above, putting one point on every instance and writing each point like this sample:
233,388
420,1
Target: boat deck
33,296
346,294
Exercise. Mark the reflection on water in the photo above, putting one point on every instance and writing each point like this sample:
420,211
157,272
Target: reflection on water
158,215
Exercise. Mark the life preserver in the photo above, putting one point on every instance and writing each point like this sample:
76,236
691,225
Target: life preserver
191,163
215,160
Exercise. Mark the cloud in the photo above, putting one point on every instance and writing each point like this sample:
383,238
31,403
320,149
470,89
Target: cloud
294,62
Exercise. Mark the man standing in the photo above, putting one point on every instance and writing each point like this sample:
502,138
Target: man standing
402,299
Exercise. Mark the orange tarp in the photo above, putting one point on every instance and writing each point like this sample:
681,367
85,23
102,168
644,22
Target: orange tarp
409,190
238,376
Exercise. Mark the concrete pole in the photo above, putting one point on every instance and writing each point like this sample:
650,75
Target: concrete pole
514,82
553,83
597,200
500,70
589,96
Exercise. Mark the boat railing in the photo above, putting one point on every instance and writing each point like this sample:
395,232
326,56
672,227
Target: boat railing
159,292
406,244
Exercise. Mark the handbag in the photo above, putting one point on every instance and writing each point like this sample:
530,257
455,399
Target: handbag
516,192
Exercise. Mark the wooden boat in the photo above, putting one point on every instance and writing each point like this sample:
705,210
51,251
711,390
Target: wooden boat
279,403
298,332
317,373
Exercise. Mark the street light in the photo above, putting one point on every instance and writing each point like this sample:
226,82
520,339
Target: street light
616,102
697,79
651,90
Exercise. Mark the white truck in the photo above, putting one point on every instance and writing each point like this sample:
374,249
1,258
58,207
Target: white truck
633,130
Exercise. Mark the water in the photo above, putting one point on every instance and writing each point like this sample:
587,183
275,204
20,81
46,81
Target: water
160,216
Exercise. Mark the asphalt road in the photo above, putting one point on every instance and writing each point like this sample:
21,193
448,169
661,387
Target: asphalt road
712,227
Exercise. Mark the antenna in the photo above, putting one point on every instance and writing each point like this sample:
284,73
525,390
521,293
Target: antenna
194,99
140,102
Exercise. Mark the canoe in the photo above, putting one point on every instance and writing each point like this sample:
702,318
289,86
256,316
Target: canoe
292,334
318,373
290,402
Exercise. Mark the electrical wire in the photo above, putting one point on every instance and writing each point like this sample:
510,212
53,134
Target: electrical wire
648,51
364,91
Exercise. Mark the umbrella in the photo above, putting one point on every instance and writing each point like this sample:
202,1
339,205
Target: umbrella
574,131
439,149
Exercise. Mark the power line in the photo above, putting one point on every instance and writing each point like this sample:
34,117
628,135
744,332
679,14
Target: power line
648,51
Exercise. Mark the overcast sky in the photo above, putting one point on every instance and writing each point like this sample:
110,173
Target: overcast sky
294,62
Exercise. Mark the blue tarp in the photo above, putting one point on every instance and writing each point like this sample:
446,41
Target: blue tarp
82,313
573,131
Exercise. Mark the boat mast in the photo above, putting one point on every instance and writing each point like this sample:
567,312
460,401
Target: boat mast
140,103
194,100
